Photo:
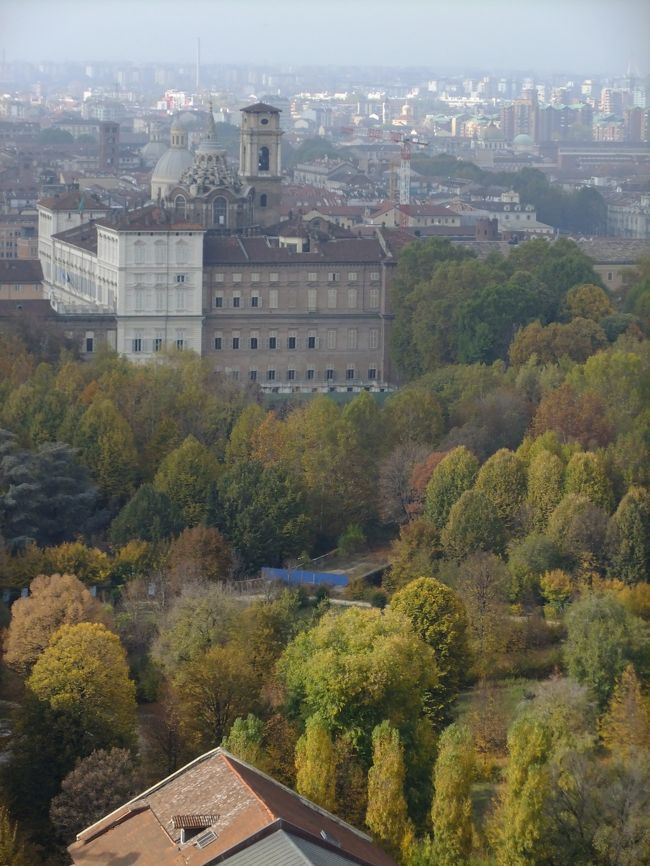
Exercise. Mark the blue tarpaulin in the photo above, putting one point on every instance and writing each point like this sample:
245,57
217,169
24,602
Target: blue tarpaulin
296,576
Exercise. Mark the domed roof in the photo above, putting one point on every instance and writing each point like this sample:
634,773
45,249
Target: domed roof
171,166
522,138
152,151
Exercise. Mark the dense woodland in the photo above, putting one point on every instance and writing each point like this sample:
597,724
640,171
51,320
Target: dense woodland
485,702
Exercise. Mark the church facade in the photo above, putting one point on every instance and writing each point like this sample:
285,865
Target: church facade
208,267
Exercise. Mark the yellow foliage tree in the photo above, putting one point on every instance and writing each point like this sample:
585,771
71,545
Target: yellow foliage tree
625,726
316,764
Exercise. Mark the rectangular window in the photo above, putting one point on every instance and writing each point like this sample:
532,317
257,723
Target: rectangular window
352,277
157,344
349,373
291,375
255,278
235,341
90,344
218,301
331,299
373,299
274,278
218,278
180,344
329,374
236,301
254,339
292,340
352,338
136,344
372,372
270,375
333,277
311,340
255,300
273,341
331,338
374,276
252,375
311,299
352,299
236,278
139,300
180,278
373,341
180,300
273,299
218,342
311,374
312,277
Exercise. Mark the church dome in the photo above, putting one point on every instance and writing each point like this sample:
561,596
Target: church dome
523,140
152,151
171,166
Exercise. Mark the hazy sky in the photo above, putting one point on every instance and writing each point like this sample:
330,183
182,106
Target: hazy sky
545,35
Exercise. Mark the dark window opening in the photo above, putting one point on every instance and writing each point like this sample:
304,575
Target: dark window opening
263,200
263,159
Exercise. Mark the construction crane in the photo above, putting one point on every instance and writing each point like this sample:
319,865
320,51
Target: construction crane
400,191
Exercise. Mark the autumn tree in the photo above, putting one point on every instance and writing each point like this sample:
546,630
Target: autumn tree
575,417
625,726
414,553
89,564
83,674
396,493
387,815
212,690
452,476
199,553
54,600
587,301
316,764
414,415
482,586
519,827
439,619
186,477
579,529
97,785
473,525
451,811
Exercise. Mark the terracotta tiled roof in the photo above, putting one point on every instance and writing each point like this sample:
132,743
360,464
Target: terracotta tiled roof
246,806
72,201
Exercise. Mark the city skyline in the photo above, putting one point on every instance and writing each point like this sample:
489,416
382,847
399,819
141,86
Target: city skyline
592,37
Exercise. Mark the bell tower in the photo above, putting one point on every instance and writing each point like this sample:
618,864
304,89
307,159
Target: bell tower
259,159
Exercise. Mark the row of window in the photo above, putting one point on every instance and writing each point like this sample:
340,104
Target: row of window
312,277
272,375
311,341
140,344
236,302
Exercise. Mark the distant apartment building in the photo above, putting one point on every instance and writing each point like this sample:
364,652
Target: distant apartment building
628,215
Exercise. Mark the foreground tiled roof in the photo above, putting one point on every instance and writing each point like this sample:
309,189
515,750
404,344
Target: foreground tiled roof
614,250
246,807
75,200
234,250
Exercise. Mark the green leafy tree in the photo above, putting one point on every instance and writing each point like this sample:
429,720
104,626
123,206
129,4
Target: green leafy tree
149,515
263,514
387,815
545,487
473,525
414,415
451,811
629,537
586,474
246,741
14,851
502,479
316,764
602,638
415,553
357,668
587,301
519,827
578,528
439,619
106,446
528,560
186,477
454,475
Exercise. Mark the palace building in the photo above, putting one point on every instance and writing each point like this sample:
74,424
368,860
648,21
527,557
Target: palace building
299,305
